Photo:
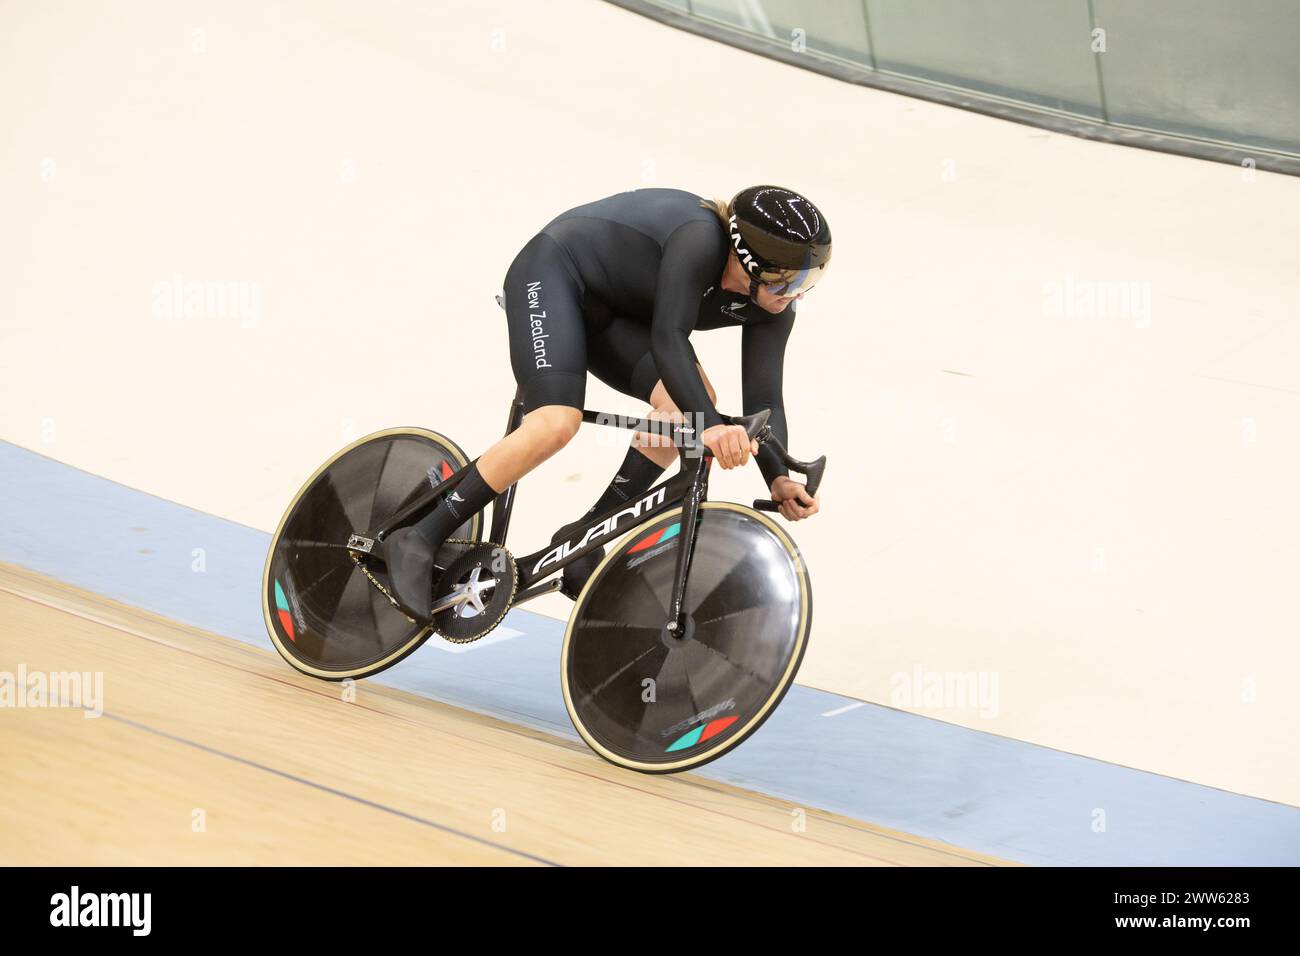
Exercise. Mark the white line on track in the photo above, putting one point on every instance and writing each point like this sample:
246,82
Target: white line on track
844,710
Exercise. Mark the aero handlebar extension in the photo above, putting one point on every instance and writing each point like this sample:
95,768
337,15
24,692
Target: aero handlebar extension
756,427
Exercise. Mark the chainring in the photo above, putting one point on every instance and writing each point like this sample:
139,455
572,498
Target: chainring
491,592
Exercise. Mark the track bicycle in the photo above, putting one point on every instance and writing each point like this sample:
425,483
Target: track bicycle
680,644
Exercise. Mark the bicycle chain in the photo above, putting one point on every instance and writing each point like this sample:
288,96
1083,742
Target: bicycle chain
379,585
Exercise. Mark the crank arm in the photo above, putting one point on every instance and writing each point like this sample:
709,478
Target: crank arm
456,600
537,590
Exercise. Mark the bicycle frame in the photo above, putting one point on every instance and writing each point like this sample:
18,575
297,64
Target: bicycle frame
689,487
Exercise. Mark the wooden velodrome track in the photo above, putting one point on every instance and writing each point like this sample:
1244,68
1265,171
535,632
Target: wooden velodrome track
284,771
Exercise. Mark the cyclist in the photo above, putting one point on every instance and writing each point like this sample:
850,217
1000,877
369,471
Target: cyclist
616,287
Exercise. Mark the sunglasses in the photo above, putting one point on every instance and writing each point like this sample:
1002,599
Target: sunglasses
788,283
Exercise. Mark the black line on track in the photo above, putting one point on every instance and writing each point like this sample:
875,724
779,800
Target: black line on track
331,790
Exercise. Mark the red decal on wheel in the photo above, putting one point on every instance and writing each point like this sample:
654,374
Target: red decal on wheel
647,542
716,727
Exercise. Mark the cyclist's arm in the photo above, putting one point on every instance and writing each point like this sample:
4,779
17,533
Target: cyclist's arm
762,359
692,262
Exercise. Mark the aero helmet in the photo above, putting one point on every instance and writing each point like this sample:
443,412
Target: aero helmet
780,238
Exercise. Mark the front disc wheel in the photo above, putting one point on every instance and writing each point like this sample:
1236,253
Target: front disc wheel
657,702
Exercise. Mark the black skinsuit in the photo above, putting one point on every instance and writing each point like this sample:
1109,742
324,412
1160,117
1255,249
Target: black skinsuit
616,287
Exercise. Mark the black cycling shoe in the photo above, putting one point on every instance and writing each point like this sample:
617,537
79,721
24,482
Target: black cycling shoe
409,557
573,577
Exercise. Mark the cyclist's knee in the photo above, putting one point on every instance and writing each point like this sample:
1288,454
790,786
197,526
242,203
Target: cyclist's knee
665,412
554,426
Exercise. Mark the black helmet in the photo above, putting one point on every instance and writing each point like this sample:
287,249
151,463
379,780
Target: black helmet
780,238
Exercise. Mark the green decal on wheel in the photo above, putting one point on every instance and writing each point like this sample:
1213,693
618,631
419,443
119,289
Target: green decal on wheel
282,611
702,733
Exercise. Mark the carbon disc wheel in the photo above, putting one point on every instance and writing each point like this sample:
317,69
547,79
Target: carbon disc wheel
322,613
647,700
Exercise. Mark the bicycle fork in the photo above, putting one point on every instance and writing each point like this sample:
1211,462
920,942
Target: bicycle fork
695,494
689,449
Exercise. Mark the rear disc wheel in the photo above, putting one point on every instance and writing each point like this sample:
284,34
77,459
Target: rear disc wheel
323,614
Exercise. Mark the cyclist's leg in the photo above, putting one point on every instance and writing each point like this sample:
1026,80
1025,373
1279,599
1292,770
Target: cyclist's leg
663,408
620,356
548,355
542,433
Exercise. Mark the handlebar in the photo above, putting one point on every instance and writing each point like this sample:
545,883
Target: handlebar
756,427
811,470
753,424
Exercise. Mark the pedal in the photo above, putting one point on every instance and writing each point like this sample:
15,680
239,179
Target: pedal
363,549
359,542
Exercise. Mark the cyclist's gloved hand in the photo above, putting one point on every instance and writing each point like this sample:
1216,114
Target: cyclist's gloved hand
794,500
730,445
